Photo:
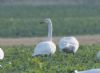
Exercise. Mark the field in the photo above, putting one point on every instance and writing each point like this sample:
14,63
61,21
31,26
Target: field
18,56
83,40
18,59
20,31
24,21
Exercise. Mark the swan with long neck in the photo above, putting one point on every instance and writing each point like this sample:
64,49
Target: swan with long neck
46,47
48,20
69,44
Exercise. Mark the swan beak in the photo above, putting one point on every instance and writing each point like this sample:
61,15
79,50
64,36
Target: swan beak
42,22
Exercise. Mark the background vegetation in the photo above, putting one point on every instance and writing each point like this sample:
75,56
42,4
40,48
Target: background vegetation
24,21
18,59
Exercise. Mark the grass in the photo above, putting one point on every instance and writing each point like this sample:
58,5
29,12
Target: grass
23,21
18,59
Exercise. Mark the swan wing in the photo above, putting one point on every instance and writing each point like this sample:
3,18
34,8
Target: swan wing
53,47
1,54
44,48
71,41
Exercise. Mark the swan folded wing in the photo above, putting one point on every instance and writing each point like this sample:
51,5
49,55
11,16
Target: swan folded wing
1,54
71,40
68,40
43,48
53,47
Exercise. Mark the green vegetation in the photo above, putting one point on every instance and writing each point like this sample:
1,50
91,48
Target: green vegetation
18,59
23,21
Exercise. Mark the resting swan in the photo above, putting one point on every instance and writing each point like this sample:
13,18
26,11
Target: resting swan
88,71
46,47
69,44
1,54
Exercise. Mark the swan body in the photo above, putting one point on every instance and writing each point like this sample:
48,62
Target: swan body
46,47
88,71
68,44
43,48
1,54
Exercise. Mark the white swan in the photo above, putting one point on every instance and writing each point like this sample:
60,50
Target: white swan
88,71
1,54
69,44
46,47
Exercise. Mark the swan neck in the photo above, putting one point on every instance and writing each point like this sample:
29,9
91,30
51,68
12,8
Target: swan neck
50,31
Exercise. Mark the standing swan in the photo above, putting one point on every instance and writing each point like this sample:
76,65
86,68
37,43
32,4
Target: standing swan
1,54
69,44
46,47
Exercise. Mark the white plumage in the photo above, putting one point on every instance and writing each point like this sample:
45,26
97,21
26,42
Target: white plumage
88,71
98,56
46,47
1,54
68,44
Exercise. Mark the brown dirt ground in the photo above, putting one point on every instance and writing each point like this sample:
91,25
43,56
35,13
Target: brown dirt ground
83,40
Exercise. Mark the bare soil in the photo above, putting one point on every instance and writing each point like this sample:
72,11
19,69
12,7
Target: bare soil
83,40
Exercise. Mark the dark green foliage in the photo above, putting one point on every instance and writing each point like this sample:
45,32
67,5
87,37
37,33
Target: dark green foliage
20,60
24,21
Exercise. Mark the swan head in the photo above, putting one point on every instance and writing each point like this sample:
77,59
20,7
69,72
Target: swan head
46,20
